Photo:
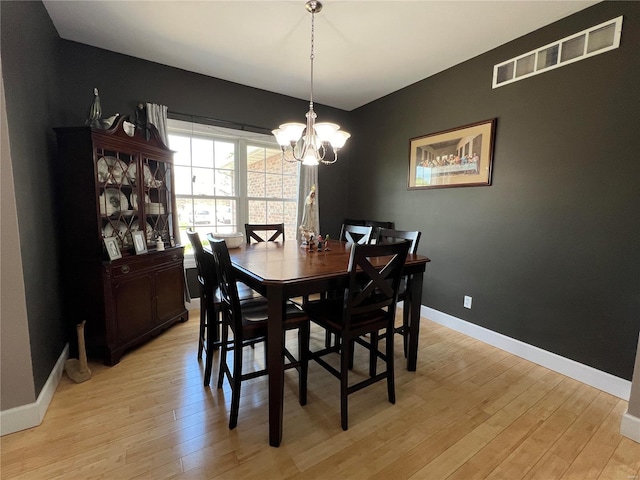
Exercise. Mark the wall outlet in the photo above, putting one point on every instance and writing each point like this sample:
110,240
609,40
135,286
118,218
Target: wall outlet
467,301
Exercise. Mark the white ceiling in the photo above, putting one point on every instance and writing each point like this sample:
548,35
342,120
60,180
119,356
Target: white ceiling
363,50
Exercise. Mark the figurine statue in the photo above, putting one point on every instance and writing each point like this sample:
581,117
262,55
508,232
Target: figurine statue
310,224
95,111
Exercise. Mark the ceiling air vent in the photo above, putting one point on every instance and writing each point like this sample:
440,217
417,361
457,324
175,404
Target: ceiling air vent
581,45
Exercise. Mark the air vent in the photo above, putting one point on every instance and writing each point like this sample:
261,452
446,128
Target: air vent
589,42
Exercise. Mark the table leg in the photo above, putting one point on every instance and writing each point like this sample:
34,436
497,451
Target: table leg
414,320
275,363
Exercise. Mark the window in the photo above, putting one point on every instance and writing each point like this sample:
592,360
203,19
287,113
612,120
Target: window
226,178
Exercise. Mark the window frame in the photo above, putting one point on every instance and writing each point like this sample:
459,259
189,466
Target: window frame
241,139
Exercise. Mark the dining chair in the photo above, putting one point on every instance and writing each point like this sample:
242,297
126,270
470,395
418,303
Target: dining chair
376,228
251,230
208,332
248,323
388,235
355,233
368,306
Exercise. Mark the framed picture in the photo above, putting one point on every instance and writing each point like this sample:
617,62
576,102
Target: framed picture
460,157
113,249
139,242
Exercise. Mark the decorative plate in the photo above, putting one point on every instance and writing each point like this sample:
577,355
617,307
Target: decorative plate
119,231
134,200
112,171
112,201
149,181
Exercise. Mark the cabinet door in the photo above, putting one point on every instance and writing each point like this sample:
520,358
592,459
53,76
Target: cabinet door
169,293
158,205
133,298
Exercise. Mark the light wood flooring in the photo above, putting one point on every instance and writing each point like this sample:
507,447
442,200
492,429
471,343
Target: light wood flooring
471,411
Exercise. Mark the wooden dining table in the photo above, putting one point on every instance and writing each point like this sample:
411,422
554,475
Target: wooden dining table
284,270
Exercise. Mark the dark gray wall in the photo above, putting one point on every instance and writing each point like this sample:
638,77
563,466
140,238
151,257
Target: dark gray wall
29,46
549,252
124,81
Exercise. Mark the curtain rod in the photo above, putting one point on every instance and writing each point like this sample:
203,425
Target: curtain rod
217,122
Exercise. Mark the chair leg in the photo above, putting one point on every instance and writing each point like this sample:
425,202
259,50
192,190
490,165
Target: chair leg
405,327
203,323
327,339
391,387
303,357
236,383
224,348
352,351
208,365
373,357
345,357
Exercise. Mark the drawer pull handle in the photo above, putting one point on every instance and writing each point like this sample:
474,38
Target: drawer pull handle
175,257
125,269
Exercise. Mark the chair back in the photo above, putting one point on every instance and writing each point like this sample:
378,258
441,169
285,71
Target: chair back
356,234
204,263
228,290
251,229
388,235
374,279
376,228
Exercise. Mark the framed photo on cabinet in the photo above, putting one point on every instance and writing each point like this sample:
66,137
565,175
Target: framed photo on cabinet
459,157
139,242
113,249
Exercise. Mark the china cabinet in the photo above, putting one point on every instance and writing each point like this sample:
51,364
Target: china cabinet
113,183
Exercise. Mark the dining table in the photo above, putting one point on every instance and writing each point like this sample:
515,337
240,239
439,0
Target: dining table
284,270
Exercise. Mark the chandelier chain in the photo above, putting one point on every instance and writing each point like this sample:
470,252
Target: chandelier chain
313,16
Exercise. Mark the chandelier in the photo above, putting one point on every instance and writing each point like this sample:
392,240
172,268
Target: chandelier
310,143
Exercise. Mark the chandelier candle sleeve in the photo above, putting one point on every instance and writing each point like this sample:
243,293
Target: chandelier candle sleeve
310,143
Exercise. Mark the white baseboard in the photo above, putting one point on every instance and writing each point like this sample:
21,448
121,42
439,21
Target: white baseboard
630,427
596,378
194,304
31,415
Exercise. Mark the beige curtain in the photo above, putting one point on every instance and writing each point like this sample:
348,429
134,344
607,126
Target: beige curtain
157,116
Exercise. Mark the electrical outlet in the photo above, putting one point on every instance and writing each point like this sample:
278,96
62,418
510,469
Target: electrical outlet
467,301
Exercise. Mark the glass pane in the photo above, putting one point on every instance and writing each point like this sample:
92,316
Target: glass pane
225,212
274,161
225,155
202,152
255,159
182,146
204,212
203,181
548,57
257,211
290,187
225,182
274,185
572,48
525,65
290,213
255,184
183,180
289,168
505,72
185,211
601,38
275,212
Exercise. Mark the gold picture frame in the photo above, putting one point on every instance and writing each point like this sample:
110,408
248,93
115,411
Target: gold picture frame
459,157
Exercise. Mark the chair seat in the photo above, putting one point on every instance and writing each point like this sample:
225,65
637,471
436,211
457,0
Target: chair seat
255,315
328,314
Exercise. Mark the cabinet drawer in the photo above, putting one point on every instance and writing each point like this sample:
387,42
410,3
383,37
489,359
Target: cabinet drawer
134,265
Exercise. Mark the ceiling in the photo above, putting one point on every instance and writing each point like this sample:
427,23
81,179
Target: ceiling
363,50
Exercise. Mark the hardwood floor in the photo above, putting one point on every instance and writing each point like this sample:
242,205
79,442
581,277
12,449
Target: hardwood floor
471,411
